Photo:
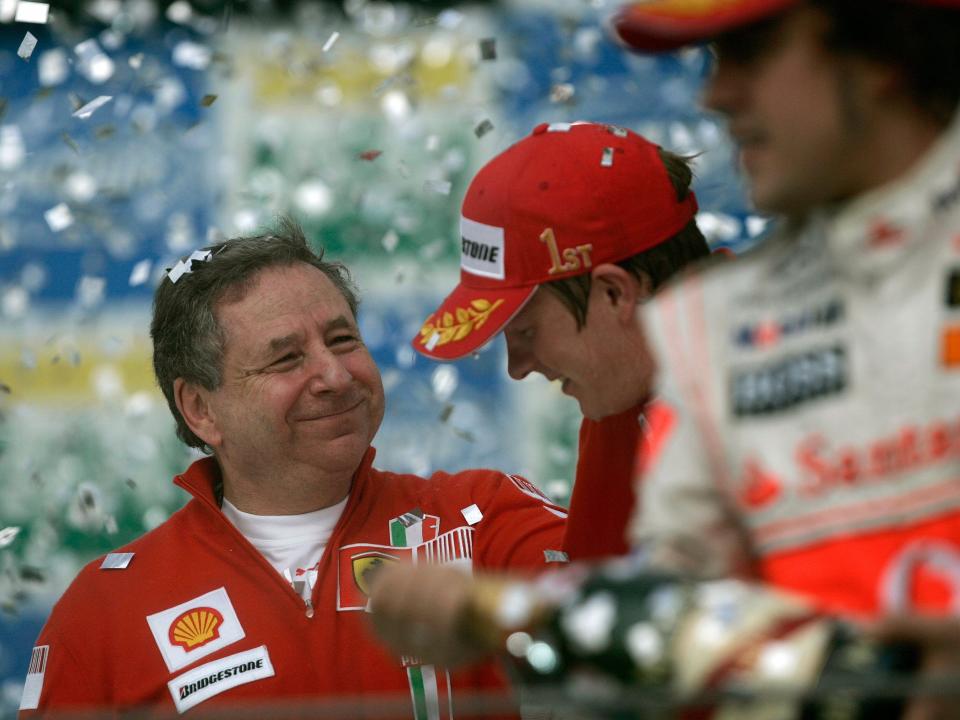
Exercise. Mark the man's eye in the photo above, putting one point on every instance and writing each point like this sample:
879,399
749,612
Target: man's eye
340,339
286,359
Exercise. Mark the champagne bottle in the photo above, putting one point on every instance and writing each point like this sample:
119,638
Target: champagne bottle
630,644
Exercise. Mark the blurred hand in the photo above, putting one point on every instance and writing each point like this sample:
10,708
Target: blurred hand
939,641
427,612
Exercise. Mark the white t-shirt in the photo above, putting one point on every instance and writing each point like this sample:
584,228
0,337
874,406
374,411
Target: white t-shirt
293,544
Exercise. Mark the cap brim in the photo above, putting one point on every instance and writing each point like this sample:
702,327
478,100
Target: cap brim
467,320
661,25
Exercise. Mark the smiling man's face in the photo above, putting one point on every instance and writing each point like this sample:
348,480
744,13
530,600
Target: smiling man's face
299,386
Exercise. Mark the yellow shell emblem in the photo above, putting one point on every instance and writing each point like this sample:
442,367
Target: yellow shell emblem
365,567
457,325
196,627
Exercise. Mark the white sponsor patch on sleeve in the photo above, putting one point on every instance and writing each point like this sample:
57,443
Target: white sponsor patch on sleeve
195,628
213,678
32,686
481,249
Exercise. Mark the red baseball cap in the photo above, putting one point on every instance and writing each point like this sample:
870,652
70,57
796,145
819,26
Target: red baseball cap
658,25
558,203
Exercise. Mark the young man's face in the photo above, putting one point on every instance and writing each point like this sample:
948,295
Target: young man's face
299,386
595,364
797,112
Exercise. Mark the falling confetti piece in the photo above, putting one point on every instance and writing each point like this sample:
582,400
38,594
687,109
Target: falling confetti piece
91,107
488,49
32,12
464,435
390,240
441,187
472,514
7,535
27,46
5,389
131,483
370,155
192,55
116,561
562,93
208,100
32,574
446,413
59,217
483,128
140,273
607,159
330,41
71,143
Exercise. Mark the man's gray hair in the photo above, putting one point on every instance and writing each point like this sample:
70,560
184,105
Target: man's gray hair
188,342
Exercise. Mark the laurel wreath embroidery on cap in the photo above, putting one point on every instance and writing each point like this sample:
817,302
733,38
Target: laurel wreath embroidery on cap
453,329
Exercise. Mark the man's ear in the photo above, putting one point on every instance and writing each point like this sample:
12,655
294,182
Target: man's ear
619,290
194,405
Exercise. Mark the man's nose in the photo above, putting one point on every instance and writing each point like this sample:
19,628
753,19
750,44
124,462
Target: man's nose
725,89
520,362
327,372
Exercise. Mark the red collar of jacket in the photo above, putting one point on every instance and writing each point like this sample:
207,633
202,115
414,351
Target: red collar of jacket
202,476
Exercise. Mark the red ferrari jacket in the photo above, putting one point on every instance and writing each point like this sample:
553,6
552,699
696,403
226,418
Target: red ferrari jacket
198,617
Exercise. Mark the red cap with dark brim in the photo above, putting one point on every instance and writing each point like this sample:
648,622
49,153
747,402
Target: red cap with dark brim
659,25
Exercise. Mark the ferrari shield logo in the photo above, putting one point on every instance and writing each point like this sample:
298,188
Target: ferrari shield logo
366,565
356,566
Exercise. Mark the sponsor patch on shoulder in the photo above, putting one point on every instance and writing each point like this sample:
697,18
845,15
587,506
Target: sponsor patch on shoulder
213,678
195,628
33,685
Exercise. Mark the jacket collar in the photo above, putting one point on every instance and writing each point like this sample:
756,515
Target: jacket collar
873,235
201,478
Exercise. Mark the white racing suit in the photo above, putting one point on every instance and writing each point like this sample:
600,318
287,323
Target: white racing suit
814,392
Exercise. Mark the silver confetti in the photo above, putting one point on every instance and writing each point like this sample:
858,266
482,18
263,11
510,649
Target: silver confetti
58,217
116,561
140,273
331,41
472,514
91,107
562,93
390,240
32,12
8,534
607,159
441,187
27,46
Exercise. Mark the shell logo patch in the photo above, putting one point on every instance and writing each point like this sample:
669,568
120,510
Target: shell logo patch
196,628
